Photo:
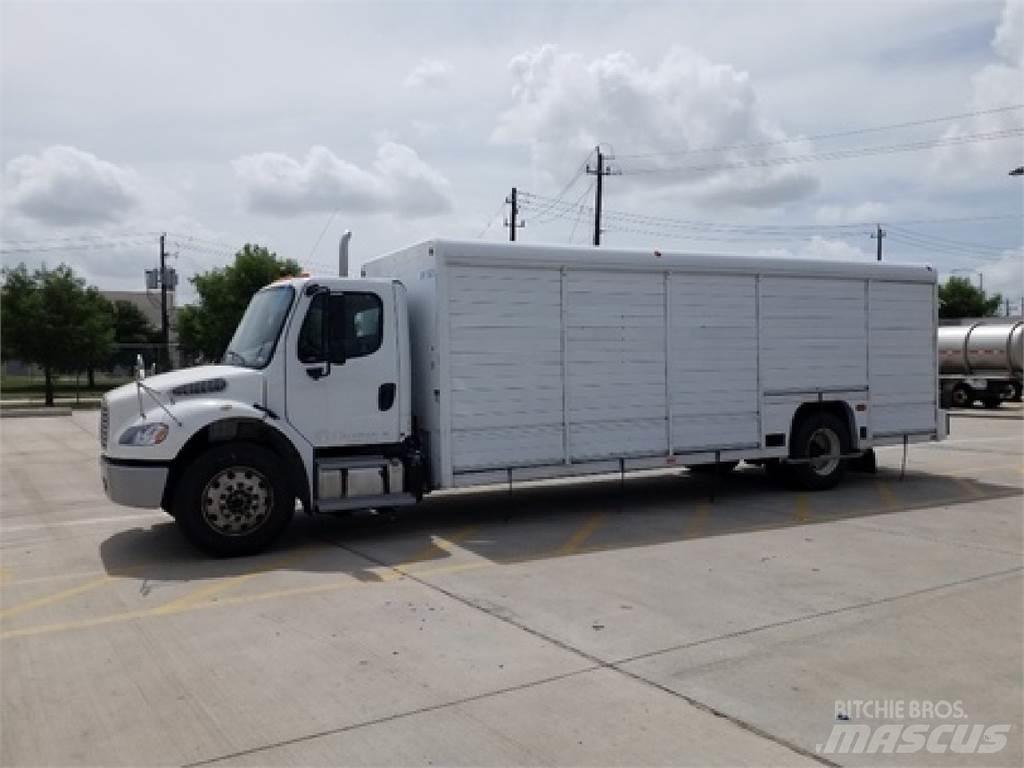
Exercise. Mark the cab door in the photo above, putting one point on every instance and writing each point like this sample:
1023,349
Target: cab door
342,369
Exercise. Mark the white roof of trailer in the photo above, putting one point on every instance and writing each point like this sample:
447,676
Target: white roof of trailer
540,255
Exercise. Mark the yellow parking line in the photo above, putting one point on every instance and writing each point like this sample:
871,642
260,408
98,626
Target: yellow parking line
180,607
204,594
584,532
56,597
803,508
889,500
695,524
968,486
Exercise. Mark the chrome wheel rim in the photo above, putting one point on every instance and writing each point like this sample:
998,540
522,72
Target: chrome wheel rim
824,450
237,501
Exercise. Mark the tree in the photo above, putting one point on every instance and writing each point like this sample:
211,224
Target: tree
960,298
131,326
95,332
206,327
51,319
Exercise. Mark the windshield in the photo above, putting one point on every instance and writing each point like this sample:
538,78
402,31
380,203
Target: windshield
253,344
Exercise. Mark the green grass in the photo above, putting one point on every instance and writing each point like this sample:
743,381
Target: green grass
33,387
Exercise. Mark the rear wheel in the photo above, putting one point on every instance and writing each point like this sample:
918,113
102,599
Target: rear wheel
234,499
962,396
820,440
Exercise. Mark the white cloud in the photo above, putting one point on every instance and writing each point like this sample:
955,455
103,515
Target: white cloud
1005,275
995,85
819,248
429,73
851,214
563,105
64,186
398,182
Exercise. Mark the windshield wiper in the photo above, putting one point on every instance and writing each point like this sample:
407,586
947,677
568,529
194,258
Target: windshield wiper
231,353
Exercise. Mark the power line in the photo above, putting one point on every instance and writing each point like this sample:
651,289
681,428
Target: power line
762,229
922,245
824,136
842,154
201,240
86,246
582,208
490,221
949,241
576,176
323,232
80,238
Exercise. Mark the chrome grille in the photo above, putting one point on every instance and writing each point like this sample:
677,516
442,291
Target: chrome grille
104,422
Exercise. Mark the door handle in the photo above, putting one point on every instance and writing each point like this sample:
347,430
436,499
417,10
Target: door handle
386,396
316,372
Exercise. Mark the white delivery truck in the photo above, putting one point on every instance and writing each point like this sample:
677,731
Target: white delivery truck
452,364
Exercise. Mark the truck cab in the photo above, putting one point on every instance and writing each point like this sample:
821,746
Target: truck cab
310,402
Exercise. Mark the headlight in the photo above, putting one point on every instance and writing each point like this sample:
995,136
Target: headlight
144,434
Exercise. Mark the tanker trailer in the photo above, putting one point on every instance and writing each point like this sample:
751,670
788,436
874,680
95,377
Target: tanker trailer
981,361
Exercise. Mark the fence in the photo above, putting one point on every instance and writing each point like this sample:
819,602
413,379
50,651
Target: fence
20,382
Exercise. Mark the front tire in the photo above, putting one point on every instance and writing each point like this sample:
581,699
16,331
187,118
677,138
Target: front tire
822,438
234,500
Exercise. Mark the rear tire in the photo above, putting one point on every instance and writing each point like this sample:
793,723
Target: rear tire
824,438
962,396
234,500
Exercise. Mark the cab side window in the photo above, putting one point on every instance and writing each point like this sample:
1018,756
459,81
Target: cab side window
355,327
362,331
311,335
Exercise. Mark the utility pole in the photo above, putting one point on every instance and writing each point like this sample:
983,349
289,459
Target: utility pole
879,236
600,172
513,222
165,339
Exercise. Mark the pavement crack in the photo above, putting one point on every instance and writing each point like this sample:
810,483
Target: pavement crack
935,539
387,718
595,661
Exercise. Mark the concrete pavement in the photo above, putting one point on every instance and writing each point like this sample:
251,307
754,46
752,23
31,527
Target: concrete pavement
565,624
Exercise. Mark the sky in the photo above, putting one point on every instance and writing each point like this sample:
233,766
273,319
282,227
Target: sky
286,123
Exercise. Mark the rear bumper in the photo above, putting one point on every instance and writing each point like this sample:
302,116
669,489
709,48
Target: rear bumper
133,483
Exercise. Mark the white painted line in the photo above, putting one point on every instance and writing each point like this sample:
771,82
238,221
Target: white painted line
88,521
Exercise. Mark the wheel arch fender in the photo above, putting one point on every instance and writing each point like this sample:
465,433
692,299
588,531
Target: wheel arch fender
239,422
838,408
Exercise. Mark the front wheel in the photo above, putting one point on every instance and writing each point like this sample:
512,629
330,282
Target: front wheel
820,440
234,499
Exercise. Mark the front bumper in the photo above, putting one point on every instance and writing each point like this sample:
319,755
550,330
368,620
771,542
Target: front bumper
134,483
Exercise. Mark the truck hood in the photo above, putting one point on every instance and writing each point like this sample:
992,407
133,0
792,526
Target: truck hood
209,382
177,391
222,382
